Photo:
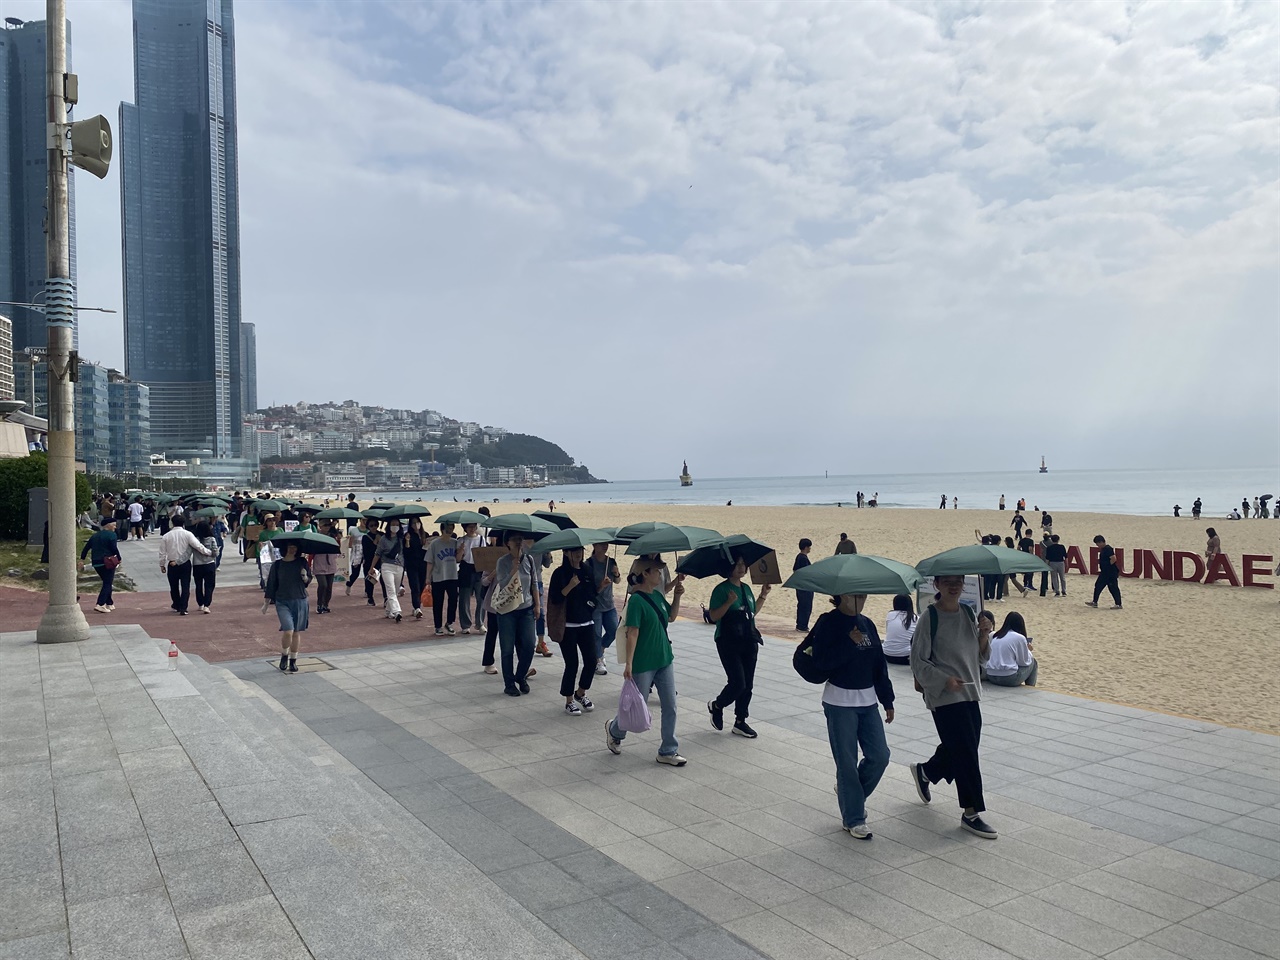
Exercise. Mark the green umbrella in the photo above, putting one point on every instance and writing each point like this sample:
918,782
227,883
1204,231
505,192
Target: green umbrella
710,561
664,540
633,531
267,506
532,527
310,507
380,505
405,510
571,538
855,573
208,513
307,542
339,513
561,520
980,558
462,517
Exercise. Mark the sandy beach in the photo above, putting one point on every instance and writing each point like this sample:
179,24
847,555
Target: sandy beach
1184,648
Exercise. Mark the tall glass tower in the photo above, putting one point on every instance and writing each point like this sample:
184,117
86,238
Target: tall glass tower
24,171
181,225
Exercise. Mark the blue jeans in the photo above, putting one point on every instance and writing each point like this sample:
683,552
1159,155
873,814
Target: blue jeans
516,639
664,679
849,728
606,620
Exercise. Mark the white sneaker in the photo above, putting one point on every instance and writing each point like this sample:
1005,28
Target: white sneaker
99,608
204,609
572,709
601,669
672,760
860,832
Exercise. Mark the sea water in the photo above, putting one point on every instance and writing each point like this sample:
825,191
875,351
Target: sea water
1141,492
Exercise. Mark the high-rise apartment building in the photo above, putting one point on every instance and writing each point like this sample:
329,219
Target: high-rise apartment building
130,407
248,369
6,359
93,418
181,225
24,171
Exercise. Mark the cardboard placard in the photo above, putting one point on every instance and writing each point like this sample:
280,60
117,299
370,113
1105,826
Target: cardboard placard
765,570
486,558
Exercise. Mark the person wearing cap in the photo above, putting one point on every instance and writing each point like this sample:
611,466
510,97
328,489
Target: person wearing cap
99,547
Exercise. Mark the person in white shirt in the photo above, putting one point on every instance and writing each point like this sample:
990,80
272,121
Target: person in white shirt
898,628
470,592
1011,663
135,519
176,548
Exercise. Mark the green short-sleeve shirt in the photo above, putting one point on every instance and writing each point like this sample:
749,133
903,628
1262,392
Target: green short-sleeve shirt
723,591
653,649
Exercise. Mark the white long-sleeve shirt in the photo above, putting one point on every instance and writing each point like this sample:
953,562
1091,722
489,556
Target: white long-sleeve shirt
177,546
1008,654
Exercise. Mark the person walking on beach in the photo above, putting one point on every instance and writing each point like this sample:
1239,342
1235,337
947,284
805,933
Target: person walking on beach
388,566
943,504
604,574
204,570
1013,577
1002,501
1213,546
1027,545
176,549
955,504
946,649
103,549
1018,522
804,598
442,572
1244,508
1046,522
1195,508
287,588
1010,663
571,609
845,545
847,649
1108,573
647,658
516,635
733,609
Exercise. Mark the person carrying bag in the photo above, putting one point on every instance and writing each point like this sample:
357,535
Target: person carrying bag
738,641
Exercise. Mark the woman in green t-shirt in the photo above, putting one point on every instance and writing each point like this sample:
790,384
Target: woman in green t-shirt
733,611
648,657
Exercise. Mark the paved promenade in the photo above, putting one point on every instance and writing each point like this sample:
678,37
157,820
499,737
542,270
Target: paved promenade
392,803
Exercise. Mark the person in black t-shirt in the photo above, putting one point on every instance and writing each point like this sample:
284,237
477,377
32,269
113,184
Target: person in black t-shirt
1027,545
1108,573
804,598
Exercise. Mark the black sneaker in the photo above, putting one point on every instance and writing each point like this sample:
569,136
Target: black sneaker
511,691
978,827
921,782
293,666
717,715
741,728
371,603
524,686
284,662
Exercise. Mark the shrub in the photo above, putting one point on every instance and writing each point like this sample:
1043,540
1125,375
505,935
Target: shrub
19,474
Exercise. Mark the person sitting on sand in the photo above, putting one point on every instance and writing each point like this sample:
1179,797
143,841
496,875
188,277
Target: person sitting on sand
845,545
1010,663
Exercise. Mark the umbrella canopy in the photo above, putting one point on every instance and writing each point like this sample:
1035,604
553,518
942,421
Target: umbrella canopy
664,540
339,513
267,506
380,505
855,573
208,513
633,531
212,498
310,507
462,517
405,510
980,558
533,527
307,542
709,561
572,538
561,520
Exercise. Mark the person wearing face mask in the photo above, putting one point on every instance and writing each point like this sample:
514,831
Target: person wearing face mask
733,609
571,599
847,649
947,649
388,566
516,634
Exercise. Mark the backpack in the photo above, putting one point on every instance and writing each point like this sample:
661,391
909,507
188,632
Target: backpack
933,632
804,660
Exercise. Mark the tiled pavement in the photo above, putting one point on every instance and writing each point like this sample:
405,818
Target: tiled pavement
399,806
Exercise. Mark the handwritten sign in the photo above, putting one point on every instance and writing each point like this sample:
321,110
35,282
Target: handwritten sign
765,570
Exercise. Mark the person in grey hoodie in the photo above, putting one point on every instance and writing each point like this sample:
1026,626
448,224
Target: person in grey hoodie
947,649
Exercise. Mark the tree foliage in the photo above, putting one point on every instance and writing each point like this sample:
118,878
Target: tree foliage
17,476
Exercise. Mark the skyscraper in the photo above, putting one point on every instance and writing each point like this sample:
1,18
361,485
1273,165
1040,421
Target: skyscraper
24,171
248,370
181,225
93,418
130,412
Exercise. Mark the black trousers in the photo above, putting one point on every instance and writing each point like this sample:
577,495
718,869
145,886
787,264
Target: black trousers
490,639
367,566
416,574
959,727
578,640
324,590
739,660
1044,583
180,585
804,609
206,577
1110,582
442,591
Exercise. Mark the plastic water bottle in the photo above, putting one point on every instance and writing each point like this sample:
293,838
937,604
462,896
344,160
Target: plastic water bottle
173,655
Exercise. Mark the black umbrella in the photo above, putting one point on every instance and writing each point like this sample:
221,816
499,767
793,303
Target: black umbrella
712,560
561,520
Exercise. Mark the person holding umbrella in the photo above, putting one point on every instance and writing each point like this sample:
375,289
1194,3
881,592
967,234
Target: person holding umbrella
733,609
604,573
947,649
516,636
572,598
468,580
287,588
368,551
442,573
416,565
388,566
324,567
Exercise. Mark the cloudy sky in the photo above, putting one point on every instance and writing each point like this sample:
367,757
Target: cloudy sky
772,238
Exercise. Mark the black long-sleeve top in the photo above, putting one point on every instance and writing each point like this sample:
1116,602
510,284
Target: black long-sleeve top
288,580
580,604
848,664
